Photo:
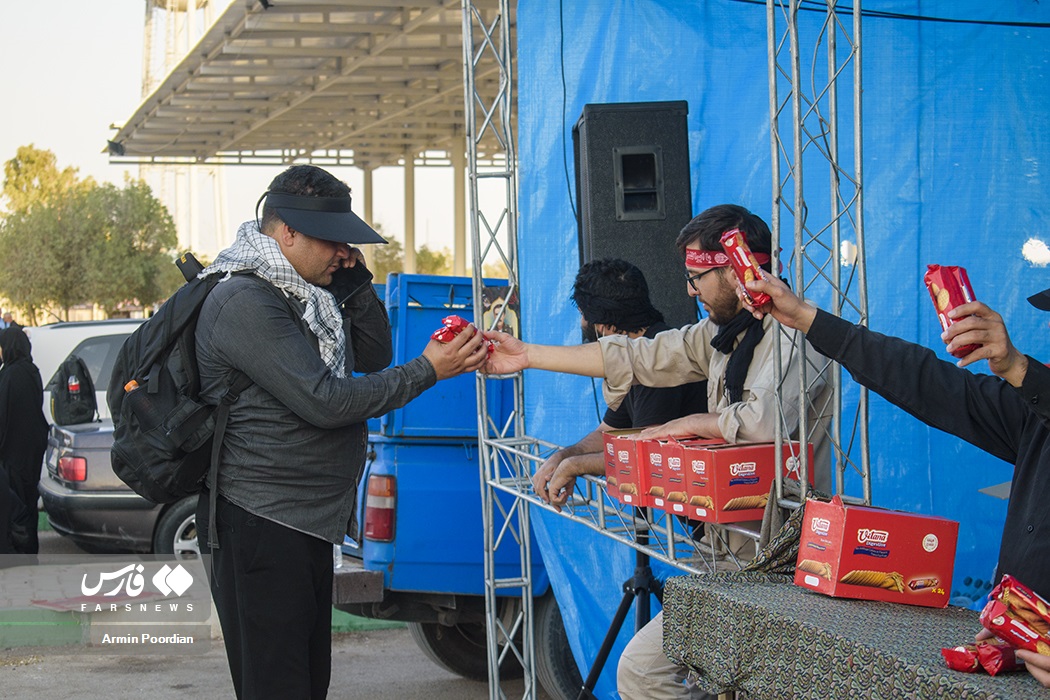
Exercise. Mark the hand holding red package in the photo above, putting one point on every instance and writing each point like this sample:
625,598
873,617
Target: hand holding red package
745,265
1018,615
949,287
453,326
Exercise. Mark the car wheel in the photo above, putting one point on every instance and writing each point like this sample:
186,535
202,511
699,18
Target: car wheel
176,531
461,649
556,669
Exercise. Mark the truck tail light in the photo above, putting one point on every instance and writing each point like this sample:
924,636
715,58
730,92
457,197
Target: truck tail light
72,468
380,508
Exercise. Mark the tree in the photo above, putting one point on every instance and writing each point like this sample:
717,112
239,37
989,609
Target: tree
429,262
385,259
32,177
132,235
69,241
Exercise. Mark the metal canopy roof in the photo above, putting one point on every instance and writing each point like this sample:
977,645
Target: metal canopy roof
342,82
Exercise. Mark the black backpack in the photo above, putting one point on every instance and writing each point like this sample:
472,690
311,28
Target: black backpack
166,441
73,393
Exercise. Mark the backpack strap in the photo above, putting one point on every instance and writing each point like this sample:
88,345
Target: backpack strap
238,381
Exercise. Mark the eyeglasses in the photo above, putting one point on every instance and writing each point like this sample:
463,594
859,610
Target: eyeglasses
694,280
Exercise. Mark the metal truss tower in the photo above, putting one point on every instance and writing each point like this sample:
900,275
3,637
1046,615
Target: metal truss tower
815,106
506,453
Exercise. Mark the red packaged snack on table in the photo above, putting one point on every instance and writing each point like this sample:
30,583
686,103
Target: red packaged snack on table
962,658
949,287
744,264
453,326
993,656
998,657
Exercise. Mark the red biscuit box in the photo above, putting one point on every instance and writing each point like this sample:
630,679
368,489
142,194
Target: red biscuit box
623,478
851,551
660,480
727,483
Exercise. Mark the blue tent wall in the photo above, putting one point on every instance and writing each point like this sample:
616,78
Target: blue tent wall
955,137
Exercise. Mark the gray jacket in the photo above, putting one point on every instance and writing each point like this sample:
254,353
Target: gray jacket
296,439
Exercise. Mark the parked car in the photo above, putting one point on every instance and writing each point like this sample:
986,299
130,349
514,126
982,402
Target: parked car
95,342
83,498
86,502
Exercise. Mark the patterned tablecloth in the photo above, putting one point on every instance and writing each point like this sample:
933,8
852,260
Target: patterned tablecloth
762,634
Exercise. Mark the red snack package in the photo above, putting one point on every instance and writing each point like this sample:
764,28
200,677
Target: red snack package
949,287
744,264
962,658
997,618
1024,603
453,326
998,657
993,656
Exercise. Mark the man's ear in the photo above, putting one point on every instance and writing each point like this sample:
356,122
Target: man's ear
285,234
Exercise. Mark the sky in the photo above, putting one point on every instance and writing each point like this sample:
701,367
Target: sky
70,69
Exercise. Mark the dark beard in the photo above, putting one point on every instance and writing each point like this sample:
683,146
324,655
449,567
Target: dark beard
589,334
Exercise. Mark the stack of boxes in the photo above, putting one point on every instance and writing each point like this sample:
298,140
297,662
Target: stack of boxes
706,480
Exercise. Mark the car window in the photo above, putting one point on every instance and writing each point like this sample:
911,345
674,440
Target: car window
99,354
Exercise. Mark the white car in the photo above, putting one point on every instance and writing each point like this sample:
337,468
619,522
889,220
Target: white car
95,342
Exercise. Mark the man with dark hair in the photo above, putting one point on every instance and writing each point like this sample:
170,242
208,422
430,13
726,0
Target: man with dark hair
613,299
731,349
297,319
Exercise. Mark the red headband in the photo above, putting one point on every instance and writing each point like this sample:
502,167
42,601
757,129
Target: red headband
716,258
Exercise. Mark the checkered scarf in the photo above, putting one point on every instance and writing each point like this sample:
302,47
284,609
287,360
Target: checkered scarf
253,250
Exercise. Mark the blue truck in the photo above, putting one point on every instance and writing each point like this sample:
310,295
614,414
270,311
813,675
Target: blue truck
420,556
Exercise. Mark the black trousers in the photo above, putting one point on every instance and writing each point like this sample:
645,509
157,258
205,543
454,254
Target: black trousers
272,588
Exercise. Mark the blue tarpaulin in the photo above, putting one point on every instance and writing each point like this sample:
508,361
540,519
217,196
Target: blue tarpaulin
955,137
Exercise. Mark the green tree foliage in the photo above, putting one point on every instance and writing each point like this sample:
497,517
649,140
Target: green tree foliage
131,234
384,259
32,177
430,262
69,241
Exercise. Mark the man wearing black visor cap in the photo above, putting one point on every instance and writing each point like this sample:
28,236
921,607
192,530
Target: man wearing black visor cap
1006,415
297,314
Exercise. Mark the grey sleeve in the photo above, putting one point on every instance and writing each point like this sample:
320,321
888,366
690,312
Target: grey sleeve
254,332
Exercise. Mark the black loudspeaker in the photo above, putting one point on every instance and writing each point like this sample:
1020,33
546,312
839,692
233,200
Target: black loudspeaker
633,194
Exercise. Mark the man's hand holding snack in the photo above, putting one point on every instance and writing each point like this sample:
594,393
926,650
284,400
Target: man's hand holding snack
784,305
510,354
1037,664
463,353
976,324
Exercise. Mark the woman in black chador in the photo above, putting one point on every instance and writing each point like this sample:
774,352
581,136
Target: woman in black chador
23,440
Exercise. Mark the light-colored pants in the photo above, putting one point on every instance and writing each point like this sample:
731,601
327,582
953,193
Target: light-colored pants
645,672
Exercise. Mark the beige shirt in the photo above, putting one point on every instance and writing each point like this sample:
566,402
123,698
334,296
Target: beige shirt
683,355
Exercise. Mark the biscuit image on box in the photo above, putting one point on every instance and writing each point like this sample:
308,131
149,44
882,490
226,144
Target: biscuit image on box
745,502
629,489
702,501
611,480
677,497
891,581
820,568
657,491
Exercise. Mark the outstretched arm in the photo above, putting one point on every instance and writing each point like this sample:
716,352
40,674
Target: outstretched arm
513,355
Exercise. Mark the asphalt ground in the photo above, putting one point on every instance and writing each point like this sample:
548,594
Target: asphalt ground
377,664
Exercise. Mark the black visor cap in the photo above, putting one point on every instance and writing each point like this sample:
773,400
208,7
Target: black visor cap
1041,300
327,218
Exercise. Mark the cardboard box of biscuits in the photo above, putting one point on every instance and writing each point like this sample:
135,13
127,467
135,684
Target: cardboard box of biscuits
852,551
623,478
716,482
